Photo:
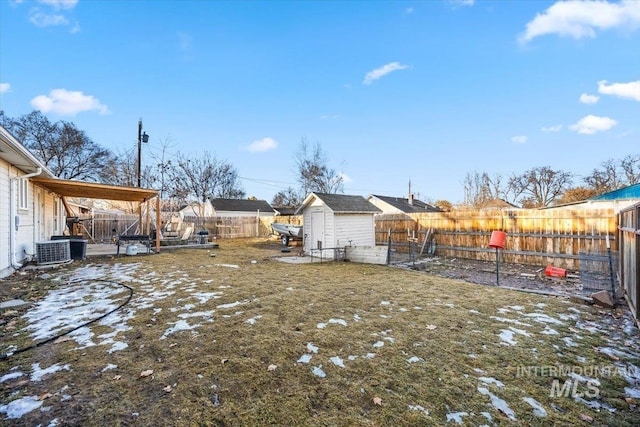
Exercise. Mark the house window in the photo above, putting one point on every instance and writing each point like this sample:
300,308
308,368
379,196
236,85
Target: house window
23,194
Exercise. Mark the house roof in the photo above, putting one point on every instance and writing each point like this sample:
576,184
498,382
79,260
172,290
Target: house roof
341,203
405,206
17,154
241,205
284,210
629,192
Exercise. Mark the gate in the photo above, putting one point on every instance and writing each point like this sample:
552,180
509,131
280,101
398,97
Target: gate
629,251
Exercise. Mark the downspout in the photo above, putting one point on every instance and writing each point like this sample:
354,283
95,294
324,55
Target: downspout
13,216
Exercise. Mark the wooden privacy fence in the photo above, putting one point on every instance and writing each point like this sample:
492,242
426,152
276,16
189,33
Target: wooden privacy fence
561,237
629,232
101,228
222,227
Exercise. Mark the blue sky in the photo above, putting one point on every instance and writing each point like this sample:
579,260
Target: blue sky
393,91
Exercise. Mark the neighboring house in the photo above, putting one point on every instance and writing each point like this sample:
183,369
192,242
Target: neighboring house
617,199
398,205
28,212
199,209
336,221
242,207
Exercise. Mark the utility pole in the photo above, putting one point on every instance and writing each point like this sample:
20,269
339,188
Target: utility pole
142,137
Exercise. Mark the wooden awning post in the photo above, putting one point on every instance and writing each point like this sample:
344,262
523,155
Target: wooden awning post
158,225
148,216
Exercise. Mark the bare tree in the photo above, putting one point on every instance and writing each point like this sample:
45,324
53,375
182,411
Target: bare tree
289,198
607,178
202,178
631,168
313,172
480,188
67,151
540,186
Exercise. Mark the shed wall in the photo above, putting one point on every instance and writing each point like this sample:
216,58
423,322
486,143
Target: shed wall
354,230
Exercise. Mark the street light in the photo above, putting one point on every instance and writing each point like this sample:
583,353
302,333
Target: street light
142,137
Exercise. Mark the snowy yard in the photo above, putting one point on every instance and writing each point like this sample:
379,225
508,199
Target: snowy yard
241,339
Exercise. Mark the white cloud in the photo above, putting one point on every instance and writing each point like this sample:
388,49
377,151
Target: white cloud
345,178
463,2
578,19
4,87
60,4
555,128
41,19
68,103
260,145
520,139
589,99
382,71
592,124
629,90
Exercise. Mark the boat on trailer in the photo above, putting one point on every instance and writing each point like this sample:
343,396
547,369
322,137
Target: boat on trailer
287,231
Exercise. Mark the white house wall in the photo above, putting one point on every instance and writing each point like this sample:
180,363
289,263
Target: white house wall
34,224
385,207
5,222
354,230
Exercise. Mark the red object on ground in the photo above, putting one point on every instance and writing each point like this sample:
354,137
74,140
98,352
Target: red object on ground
497,239
555,271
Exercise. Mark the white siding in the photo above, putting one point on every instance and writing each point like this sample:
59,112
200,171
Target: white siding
354,230
385,207
5,261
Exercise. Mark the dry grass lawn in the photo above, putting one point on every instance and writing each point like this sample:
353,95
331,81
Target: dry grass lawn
331,344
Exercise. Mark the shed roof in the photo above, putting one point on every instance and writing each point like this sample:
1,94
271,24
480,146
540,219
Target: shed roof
405,206
629,192
341,203
241,205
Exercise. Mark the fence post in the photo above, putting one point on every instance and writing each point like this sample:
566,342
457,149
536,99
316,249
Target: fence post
389,247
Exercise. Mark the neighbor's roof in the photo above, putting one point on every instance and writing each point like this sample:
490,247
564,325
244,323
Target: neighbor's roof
16,154
405,206
241,205
92,190
629,192
341,203
284,210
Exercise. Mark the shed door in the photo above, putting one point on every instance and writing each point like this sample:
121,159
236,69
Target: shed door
317,229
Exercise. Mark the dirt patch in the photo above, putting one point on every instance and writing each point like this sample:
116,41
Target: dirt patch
518,276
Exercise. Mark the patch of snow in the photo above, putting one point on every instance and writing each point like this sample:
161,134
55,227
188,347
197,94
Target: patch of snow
384,316
549,331
633,393
450,305
538,410
490,380
352,358
581,359
503,310
117,346
305,358
507,337
336,360
53,423
541,305
474,311
38,373
385,303
417,308
478,371
594,404
378,344
334,321
575,310
17,408
487,416
584,379
203,297
498,403
415,359
11,376
472,356
180,325
357,318
318,372
312,348
543,318
419,408
233,304
109,367
569,342
369,355
520,331
12,303
207,314
505,320
228,265
612,351
457,417
253,319
516,307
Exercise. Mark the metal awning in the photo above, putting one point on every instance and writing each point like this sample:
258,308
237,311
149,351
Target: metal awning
92,190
